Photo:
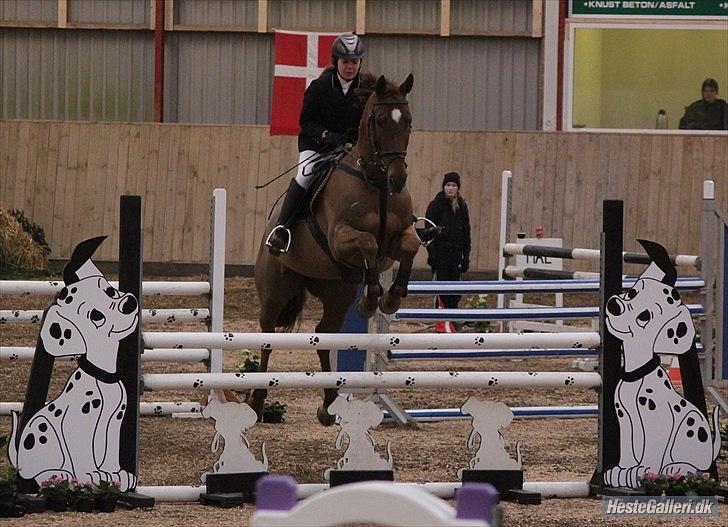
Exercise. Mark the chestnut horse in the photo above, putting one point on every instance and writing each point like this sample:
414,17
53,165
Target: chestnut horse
364,215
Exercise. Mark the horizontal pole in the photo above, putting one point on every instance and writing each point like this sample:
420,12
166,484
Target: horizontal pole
530,286
530,313
455,354
513,271
35,287
519,412
149,316
368,341
162,408
156,355
511,249
370,380
445,490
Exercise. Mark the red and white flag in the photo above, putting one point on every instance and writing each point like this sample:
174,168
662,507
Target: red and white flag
300,57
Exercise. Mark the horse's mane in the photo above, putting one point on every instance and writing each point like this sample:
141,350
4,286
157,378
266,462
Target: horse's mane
368,82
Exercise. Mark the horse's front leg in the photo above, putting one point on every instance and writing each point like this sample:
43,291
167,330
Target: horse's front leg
392,299
359,248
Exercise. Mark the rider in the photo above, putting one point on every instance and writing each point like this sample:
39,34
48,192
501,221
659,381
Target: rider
329,118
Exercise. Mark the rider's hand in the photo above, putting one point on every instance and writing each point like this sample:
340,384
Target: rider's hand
333,139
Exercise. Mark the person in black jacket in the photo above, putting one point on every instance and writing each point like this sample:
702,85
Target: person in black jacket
449,253
709,113
329,118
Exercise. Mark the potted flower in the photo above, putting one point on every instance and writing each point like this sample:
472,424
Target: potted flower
700,484
82,496
56,491
106,495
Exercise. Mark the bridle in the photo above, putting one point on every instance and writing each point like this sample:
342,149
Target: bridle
380,163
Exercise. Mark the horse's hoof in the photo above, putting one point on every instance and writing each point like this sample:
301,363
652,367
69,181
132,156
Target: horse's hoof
388,305
324,417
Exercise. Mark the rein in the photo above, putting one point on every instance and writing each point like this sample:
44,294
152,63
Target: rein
378,163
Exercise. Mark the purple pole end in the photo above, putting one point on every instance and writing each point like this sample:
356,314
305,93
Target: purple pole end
276,493
476,501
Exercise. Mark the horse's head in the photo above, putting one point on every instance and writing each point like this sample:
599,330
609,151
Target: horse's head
384,131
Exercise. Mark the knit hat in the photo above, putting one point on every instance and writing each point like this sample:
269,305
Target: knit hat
451,177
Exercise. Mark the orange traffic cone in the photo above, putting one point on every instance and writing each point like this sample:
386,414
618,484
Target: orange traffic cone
674,372
443,326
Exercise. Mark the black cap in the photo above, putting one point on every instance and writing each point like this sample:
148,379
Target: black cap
451,177
710,83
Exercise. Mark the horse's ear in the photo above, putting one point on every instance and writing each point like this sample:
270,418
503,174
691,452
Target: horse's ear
381,85
406,86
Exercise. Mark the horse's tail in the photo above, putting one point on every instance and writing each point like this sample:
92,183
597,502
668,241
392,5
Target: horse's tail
291,311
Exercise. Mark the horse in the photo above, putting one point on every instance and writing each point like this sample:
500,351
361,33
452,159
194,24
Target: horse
363,217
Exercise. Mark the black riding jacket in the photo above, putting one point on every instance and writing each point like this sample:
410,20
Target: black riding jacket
451,248
325,107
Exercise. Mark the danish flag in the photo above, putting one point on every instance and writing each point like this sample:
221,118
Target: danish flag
300,57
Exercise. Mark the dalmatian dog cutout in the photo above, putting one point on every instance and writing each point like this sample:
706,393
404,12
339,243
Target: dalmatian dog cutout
355,417
489,418
77,434
660,431
232,419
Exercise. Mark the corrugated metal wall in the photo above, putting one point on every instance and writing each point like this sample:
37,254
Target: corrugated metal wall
88,75
461,82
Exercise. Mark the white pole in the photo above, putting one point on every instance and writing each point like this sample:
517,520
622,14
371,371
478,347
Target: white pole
158,355
369,380
505,229
160,316
217,271
35,287
236,341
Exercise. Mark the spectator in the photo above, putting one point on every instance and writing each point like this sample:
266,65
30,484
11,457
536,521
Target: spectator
709,113
449,253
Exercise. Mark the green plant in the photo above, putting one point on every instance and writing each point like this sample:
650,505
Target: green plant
10,474
81,491
36,231
55,488
107,489
700,484
474,302
248,362
274,412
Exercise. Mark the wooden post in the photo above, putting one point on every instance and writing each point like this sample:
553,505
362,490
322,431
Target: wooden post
262,16
537,18
62,13
361,16
444,18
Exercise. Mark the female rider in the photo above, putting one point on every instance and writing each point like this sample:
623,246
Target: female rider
329,118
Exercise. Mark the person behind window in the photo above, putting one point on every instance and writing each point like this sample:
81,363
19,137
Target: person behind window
449,253
329,118
709,113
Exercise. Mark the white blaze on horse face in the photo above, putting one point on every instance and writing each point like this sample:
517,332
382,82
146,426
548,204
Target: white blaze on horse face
396,115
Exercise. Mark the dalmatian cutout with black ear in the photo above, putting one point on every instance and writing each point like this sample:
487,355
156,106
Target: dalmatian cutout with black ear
660,431
77,435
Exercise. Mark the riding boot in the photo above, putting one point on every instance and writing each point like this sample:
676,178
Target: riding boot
279,239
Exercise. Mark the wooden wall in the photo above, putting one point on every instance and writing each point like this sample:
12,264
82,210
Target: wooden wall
68,176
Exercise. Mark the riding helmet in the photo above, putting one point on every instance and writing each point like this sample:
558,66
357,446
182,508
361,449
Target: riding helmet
347,46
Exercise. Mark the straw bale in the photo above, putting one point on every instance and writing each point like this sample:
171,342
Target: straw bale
17,247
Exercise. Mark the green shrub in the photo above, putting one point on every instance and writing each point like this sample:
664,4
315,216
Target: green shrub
696,484
36,231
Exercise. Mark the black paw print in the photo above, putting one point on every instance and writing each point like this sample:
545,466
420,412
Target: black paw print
171,318
265,346
194,312
54,284
177,346
228,337
2,320
153,313
578,345
569,381
532,373
273,382
410,381
492,381
16,314
353,347
14,356
377,373
313,340
240,375
454,373
393,341
157,410
479,341
198,383
34,319
310,374
341,382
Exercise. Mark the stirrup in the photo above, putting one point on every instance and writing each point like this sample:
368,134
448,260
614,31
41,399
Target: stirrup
272,232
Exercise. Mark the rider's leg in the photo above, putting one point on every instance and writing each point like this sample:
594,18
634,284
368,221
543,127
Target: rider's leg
280,237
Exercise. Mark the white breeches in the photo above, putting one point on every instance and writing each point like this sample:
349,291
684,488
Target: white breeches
307,159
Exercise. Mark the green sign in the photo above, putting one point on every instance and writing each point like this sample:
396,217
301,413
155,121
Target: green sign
650,8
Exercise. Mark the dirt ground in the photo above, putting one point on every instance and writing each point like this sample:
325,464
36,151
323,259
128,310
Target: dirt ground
177,451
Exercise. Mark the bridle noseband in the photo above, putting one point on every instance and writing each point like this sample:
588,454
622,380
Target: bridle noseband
379,163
